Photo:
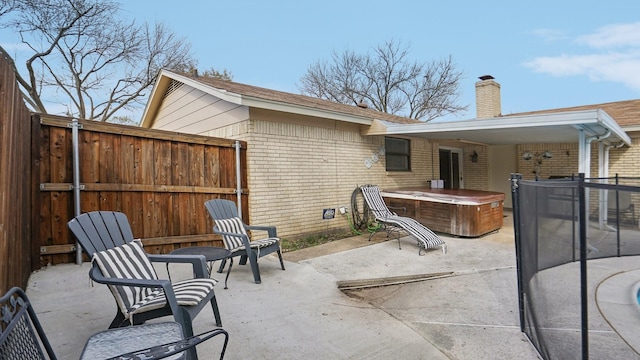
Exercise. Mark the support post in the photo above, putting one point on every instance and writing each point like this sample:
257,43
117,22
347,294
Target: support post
515,196
238,178
76,179
584,294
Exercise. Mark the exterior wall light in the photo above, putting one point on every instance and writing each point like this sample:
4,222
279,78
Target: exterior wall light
538,157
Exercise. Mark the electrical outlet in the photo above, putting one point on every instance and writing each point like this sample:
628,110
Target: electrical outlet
342,210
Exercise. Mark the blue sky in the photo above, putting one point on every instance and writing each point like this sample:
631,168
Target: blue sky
545,54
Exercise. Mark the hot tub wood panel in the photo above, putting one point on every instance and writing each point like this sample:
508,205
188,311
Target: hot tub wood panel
440,215
465,218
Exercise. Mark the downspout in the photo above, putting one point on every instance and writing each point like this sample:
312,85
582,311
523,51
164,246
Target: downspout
585,161
603,171
601,162
76,179
586,164
238,178
605,199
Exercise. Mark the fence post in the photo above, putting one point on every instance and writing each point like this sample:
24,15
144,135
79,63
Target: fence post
76,179
583,267
515,200
237,146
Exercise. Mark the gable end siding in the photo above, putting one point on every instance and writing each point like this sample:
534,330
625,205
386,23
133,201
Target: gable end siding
193,111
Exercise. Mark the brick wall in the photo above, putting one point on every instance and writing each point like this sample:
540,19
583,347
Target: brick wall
476,174
487,99
299,166
625,161
563,163
297,170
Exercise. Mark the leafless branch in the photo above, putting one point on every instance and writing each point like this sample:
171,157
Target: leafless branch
388,82
94,61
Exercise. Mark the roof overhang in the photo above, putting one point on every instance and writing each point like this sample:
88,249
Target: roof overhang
562,127
553,127
164,79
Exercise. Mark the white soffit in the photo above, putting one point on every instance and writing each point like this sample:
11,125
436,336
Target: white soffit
542,128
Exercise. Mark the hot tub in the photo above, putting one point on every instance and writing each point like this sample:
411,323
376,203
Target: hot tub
460,212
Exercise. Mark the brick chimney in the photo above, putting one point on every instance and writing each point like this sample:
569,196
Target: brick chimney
487,98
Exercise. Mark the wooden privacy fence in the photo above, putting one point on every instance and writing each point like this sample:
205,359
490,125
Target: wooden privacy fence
16,246
159,179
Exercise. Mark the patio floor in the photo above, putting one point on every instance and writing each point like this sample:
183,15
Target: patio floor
301,313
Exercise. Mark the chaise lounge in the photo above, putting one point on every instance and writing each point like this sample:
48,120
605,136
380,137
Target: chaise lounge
394,223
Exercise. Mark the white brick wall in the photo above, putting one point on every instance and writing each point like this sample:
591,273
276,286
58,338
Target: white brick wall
487,99
476,175
298,166
295,171
625,161
563,163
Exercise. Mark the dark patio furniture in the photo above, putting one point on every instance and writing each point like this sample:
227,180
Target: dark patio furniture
211,254
22,337
121,263
236,239
426,238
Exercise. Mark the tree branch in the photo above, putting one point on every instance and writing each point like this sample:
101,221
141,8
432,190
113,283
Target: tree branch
387,81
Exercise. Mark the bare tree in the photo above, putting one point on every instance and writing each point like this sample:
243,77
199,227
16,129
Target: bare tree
216,74
7,6
387,81
93,61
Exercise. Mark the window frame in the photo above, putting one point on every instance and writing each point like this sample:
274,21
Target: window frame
400,166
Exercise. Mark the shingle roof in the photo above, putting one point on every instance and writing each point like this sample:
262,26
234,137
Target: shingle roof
625,113
300,100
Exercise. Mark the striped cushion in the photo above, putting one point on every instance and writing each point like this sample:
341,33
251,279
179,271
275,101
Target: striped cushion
426,238
375,201
234,243
258,244
130,261
127,261
188,293
232,225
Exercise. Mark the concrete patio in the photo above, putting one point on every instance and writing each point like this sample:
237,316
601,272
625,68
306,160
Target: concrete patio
469,313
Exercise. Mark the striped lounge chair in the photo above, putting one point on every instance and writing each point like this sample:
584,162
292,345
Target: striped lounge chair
396,224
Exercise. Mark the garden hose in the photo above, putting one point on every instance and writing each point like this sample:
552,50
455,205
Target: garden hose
374,227
353,229
361,220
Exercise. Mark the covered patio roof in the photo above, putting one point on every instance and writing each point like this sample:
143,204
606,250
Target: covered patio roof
582,127
558,127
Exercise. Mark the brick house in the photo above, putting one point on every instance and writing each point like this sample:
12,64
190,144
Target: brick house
305,155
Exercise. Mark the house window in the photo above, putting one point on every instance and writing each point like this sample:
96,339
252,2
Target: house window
397,154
